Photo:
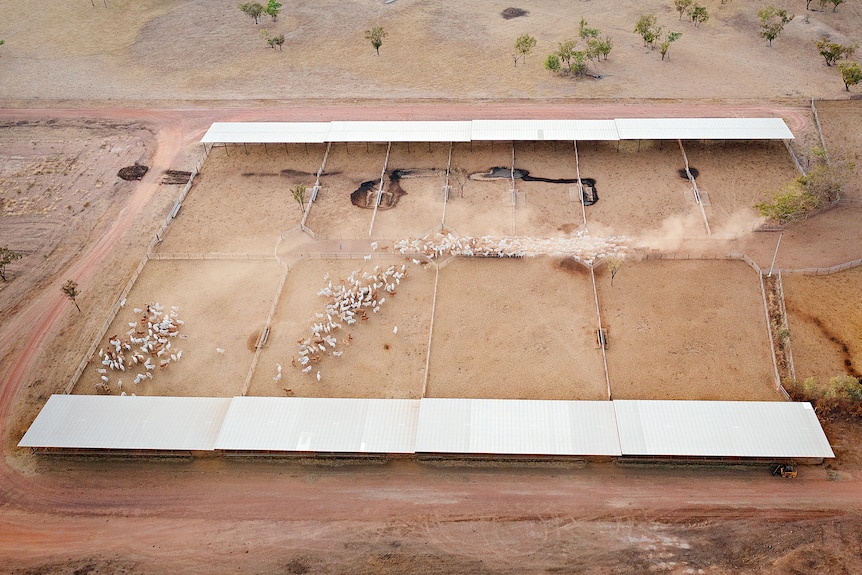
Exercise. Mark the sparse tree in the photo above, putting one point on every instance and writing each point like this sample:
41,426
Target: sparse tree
604,47
566,52
681,6
834,3
298,192
808,4
648,29
615,262
253,10
7,256
524,45
851,73
772,22
833,51
70,288
585,32
698,14
272,9
272,41
459,175
376,36
669,39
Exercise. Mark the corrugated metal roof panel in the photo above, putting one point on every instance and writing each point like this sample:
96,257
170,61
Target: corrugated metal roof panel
127,423
720,429
267,133
703,129
517,427
587,130
398,131
327,425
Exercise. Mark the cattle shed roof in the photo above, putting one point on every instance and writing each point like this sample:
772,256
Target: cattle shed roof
503,130
267,133
759,429
517,427
127,423
536,130
325,425
395,131
702,129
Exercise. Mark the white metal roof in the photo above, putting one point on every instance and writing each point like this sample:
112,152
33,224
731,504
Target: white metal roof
535,130
703,129
517,427
505,130
329,425
396,131
127,422
720,429
267,133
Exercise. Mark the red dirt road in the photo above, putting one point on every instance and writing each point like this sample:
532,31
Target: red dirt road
97,516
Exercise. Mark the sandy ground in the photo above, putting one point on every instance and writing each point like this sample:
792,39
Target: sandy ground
825,332
107,516
698,332
432,50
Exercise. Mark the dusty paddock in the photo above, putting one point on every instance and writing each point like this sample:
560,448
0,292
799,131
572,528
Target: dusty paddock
502,328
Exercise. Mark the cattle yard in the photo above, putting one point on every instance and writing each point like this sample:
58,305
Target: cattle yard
247,281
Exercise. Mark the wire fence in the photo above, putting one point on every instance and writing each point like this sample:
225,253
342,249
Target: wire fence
824,271
210,256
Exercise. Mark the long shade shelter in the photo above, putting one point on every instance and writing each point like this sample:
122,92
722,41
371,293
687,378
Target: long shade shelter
501,130
438,426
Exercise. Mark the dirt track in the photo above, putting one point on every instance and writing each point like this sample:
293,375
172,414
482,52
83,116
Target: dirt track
150,516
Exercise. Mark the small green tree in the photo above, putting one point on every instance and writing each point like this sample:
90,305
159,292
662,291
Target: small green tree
272,9
7,256
272,41
566,52
298,192
669,39
833,51
772,22
376,36
524,45
604,47
648,29
70,288
851,73
834,3
681,6
698,14
585,32
253,10
552,63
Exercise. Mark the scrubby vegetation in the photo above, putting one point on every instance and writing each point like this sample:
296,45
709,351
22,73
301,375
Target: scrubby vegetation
841,395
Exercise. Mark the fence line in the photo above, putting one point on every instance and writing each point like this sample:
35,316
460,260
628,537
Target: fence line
819,131
794,158
431,330
691,179
380,189
825,271
788,344
264,332
769,331
210,256
314,191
